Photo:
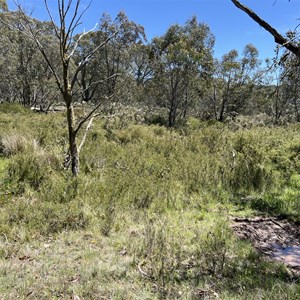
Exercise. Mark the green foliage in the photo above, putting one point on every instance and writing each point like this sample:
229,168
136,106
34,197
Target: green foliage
250,171
157,201
13,108
31,168
192,252
37,218
157,120
27,169
59,188
284,201
148,216
3,5
182,54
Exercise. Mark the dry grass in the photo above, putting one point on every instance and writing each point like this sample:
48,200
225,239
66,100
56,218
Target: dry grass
14,142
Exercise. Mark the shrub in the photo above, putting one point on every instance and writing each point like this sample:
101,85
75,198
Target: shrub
59,188
185,250
249,165
38,218
29,168
157,119
13,108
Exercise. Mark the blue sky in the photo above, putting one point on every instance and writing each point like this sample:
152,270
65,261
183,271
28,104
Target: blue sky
232,28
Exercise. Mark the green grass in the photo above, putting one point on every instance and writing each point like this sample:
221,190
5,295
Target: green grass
148,216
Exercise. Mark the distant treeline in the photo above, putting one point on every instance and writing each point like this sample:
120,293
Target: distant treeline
176,72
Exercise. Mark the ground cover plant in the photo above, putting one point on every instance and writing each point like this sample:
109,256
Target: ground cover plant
149,215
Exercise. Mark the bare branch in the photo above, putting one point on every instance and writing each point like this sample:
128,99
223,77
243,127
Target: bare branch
101,81
51,19
78,40
69,6
76,21
60,9
30,33
42,50
279,39
74,17
88,58
90,114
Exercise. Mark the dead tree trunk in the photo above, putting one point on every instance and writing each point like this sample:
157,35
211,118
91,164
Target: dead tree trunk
73,149
65,77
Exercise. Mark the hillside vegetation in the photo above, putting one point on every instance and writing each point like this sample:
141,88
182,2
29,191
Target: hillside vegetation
148,217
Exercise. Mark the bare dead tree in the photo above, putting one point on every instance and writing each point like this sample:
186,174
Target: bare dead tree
289,44
66,74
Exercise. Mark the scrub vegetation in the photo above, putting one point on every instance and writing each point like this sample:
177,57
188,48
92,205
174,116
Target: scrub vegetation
126,164
149,215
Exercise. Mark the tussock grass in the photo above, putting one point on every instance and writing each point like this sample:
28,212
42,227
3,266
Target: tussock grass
148,217
14,143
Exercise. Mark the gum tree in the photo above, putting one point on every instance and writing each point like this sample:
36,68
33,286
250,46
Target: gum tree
110,65
24,73
3,5
290,77
234,81
182,56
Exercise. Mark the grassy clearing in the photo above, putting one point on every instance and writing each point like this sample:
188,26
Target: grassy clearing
148,216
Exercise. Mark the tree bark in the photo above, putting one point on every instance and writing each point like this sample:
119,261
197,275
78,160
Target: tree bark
172,115
73,149
279,39
222,111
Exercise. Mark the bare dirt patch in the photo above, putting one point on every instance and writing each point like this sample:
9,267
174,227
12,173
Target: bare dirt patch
276,238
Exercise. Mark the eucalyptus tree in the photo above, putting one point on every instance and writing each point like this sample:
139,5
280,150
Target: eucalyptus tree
290,84
140,73
31,72
8,57
108,73
141,64
292,46
234,81
66,73
3,6
24,73
88,79
117,53
182,56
